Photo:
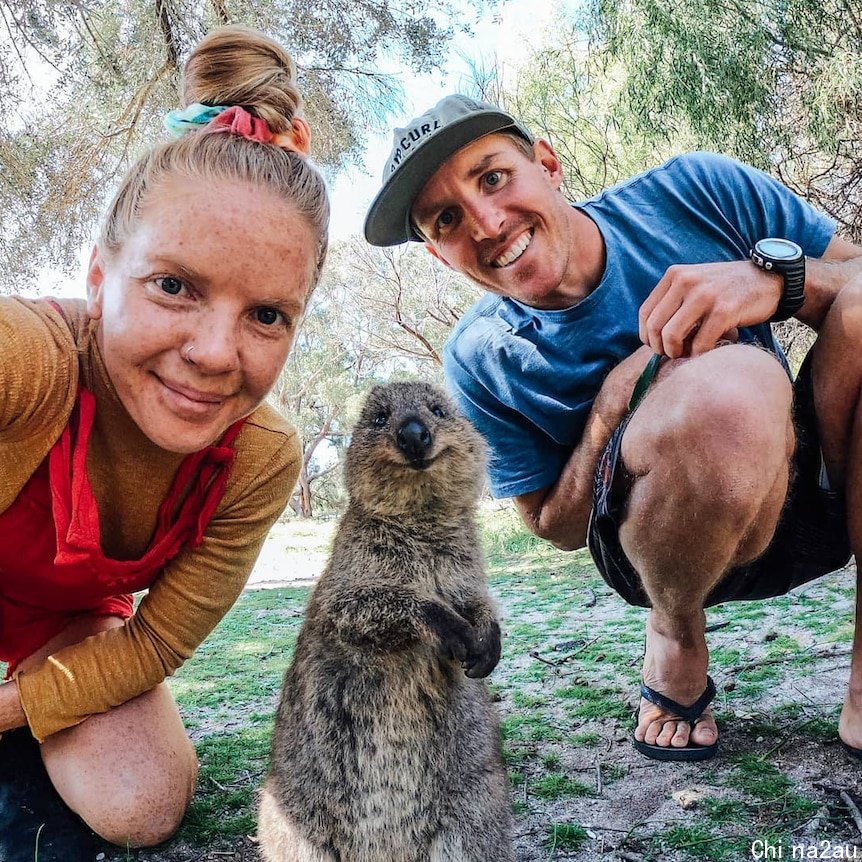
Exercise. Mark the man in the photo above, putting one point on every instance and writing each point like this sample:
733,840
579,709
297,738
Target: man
726,481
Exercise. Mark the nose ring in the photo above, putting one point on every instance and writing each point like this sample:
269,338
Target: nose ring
187,354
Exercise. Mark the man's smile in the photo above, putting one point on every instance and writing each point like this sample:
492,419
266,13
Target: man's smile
514,251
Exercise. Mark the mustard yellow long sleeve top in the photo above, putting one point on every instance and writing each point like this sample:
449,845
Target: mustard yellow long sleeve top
42,361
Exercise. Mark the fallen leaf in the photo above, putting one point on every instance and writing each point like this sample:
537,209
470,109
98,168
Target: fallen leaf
689,797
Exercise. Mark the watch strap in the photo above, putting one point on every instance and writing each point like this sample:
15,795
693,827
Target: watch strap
793,295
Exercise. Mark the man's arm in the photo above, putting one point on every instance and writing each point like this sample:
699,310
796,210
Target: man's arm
560,512
825,277
694,305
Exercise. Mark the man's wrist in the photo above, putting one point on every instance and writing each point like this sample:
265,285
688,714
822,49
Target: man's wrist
784,258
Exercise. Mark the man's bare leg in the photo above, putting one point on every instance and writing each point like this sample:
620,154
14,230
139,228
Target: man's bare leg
837,378
710,449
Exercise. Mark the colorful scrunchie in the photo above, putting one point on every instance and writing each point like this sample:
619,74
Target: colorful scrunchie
192,117
236,120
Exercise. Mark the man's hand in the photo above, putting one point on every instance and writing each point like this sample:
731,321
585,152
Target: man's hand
695,306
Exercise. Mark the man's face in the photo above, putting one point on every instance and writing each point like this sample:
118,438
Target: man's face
497,216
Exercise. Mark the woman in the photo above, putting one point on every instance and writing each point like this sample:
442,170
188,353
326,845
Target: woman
135,449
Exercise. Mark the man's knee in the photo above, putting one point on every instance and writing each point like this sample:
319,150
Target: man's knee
718,426
847,308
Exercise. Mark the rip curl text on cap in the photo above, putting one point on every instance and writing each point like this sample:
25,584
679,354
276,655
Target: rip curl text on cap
418,150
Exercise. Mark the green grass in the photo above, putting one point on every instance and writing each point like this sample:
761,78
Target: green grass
557,786
226,808
565,836
701,842
551,761
585,739
570,668
228,695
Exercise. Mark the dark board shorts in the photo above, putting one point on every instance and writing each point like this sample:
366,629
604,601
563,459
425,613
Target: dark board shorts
810,540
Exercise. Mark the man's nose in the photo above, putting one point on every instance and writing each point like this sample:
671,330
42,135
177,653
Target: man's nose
484,220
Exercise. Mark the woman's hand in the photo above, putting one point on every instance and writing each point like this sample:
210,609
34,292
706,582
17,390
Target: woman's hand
11,712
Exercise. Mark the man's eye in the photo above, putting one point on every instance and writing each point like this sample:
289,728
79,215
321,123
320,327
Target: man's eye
267,316
493,178
170,285
445,219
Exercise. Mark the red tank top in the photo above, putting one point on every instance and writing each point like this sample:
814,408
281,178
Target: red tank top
50,542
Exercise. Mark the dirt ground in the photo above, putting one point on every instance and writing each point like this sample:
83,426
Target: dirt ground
631,799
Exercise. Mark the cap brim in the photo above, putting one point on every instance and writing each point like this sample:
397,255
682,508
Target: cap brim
388,219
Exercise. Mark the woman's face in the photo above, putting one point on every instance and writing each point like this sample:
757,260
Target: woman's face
199,307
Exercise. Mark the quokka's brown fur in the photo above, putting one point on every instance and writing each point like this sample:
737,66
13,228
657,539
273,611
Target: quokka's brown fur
386,745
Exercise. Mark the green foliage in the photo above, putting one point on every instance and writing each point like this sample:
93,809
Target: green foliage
565,836
776,83
702,69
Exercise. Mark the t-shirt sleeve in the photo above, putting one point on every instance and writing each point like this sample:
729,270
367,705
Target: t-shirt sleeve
522,457
180,609
756,204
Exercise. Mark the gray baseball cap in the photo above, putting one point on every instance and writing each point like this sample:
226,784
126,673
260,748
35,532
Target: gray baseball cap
418,150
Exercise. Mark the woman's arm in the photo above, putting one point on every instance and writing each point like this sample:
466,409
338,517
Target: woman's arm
11,712
181,608
38,386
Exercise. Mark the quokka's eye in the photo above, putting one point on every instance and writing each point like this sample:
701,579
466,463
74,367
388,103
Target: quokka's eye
381,419
438,411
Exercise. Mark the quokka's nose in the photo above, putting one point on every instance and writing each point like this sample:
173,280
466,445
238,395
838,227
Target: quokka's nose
414,439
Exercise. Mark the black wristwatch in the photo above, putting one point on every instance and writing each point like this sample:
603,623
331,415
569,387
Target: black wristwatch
785,258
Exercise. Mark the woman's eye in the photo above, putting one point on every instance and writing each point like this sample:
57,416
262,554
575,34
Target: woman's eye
267,316
170,285
493,178
437,410
381,419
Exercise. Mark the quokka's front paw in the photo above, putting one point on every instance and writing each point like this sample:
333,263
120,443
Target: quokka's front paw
455,636
483,658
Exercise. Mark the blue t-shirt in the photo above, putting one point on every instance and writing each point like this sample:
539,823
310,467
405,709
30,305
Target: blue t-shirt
527,377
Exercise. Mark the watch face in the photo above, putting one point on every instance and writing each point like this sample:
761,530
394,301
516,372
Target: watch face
778,249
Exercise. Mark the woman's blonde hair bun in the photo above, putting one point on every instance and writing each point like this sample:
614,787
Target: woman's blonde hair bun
236,65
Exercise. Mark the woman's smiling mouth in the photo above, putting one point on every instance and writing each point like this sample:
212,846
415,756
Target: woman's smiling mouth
191,402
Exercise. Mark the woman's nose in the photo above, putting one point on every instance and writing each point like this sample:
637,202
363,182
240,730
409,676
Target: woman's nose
215,342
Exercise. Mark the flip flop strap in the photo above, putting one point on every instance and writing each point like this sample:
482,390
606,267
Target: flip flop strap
688,713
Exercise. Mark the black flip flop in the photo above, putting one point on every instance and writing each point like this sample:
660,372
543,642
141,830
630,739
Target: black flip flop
690,714
851,749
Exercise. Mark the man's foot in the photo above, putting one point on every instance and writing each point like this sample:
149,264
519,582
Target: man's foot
676,670
690,715
850,724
